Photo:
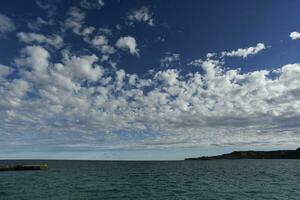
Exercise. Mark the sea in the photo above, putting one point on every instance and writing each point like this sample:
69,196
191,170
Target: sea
157,180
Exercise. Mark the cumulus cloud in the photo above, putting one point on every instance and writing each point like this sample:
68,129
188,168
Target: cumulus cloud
88,4
75,95
88,30
70,99
54,40
128,43
244,53
142,14
4,72
97,38
82,67
170,60
168,77
6,25
75,20
34,57
101,43
295,35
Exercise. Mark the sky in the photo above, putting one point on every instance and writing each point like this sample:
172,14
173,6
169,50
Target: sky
147,80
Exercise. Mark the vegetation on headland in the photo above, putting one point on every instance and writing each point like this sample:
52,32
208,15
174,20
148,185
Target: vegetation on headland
278,154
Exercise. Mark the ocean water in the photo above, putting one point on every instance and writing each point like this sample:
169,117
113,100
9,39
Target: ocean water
165,180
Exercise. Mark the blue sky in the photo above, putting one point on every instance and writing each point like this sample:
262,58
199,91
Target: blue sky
99,79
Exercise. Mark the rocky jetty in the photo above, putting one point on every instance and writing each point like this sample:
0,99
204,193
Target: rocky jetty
280,154
23,167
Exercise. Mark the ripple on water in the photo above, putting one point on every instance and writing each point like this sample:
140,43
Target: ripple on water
238,179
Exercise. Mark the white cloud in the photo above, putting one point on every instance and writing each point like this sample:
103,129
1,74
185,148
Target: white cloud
75,20
142,14
170,109
128,43
168,77
39,22
54,40
83,67
245,52
295,35
107,49
18,88
52,96
34,57
6,25
74,94
88,30
4,72
170,60
46,5
106,31
211,68
99,40
89,4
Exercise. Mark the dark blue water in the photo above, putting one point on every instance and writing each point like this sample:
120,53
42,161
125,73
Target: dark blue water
224,179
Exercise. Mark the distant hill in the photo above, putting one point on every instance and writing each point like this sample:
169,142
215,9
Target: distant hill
278,154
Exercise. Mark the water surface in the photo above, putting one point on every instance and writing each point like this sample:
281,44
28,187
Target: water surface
166,180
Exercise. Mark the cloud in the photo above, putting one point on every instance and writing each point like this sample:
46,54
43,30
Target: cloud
244,53
82,67
106,31
101,43
75,20
54,40
99,40
39,22
88,30
170,60
128,43
89,4
142,14
295,35
34,57
168,77
4,72
96,37
6,25
49,8
76,95
74,99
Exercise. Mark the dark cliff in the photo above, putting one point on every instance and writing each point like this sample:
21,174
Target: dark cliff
280,154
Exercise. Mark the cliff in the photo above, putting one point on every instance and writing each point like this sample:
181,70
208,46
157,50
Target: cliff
280,154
